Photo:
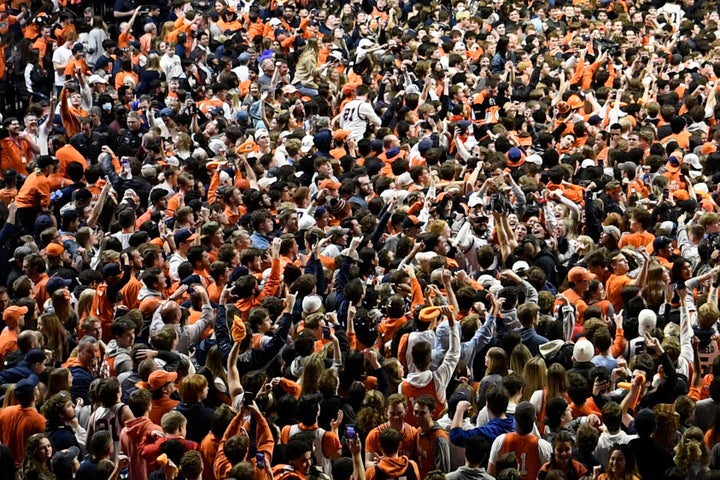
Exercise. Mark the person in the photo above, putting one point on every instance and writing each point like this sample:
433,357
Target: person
299,458
36,461
497,402
433,444
358,114
329,443
561,459
390,464
193,391
111,414
34,195
83,367
100,447
63,429
531,451
476,450
138,432
14,318
64,463
395,411
621,464
19,422
486,160
424,381
649,456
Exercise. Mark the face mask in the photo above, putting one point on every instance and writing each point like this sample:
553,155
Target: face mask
107,106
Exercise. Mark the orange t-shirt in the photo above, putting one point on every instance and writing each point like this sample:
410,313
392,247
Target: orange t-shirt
613,287
639,239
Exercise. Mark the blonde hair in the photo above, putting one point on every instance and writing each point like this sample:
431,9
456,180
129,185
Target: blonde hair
310,377
519,358
192,387
85,303
691,450
535,375
557,382
497,361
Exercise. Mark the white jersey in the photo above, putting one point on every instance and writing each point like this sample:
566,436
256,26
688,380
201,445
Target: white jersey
355,117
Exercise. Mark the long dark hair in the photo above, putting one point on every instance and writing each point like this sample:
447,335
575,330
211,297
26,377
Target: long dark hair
630,465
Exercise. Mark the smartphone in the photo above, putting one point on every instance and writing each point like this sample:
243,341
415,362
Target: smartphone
260,459
350,432
666,192
326,333
600,162
248,399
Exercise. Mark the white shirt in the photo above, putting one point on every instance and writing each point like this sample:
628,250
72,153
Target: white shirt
61,56
355,117
171,66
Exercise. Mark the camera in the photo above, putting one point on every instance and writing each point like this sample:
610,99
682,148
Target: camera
499,203
612,48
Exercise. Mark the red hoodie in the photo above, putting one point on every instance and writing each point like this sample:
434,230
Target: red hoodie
133,437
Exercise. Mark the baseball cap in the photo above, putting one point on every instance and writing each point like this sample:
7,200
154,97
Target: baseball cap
520,266
62,462
647,320
628,166
44,161
308,142
661,242
54,250
111,270
184,235
583,350
56,283
330,184
160,378
341,134
612,230
21,252
35,356
337,231
412,221
580,274
12,314
97,79
457,397
311,304
25,388
645,421
78,47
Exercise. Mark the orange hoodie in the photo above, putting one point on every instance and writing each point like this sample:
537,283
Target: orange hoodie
393,468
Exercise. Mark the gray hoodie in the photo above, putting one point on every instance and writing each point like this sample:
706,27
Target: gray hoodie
469,473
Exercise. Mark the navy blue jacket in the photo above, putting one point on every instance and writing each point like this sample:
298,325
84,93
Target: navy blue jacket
16,373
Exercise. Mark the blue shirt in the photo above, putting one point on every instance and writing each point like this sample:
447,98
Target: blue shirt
490,431
260,241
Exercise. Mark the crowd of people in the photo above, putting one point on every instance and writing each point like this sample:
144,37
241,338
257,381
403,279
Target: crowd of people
376,239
